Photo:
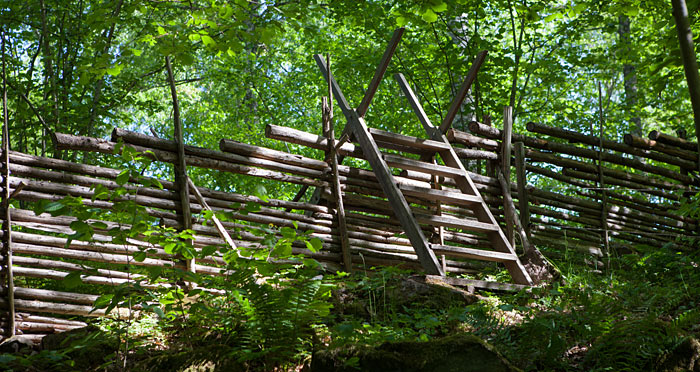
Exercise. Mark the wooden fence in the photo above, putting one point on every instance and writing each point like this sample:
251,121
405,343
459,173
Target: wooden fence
642,184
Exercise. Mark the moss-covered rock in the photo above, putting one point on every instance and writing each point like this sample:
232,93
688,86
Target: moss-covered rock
458,353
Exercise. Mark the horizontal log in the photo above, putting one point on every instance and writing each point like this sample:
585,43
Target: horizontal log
457,136
647,144
673,141
422,145
608,144
608,172
476,154
561,148
44,319
65,141
66,309
481,284
55,164
320,143
631,185
54,296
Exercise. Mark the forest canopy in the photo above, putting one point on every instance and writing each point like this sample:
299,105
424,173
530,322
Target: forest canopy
84,67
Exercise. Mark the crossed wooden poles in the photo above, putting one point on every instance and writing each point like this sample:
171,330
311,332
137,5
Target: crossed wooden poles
357,128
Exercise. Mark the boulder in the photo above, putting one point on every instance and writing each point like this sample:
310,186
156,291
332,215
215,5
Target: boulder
458,353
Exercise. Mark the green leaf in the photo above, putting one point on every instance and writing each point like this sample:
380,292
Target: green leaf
429,16
115,70
316,244
439,7
208,250
288,232
123,177
102,301
139,256
401,21
137,52
207,40
261,192
73,279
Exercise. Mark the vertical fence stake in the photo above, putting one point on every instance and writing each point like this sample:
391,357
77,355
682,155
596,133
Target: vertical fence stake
7,226
332,156
180,164
521,174
601,179
505,168
490,164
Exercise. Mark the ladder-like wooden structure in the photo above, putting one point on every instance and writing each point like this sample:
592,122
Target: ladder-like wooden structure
466,193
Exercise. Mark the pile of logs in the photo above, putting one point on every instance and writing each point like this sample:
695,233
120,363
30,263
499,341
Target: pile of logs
644,182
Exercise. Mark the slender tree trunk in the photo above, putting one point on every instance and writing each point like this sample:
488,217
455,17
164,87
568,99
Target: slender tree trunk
629,72
690,63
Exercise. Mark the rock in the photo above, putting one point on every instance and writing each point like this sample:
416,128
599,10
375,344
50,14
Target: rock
459,353
16,344
400,292
685,357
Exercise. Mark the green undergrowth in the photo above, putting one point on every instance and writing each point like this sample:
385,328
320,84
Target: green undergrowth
272,308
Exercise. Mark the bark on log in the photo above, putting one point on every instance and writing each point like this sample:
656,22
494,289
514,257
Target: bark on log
673,141
610,145
647,144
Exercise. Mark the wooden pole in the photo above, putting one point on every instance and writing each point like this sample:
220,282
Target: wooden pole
7,225
601,178
505,168
329,131
180,164
521,173
219,227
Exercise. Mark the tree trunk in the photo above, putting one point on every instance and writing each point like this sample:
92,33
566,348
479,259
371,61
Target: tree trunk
690,63
629,72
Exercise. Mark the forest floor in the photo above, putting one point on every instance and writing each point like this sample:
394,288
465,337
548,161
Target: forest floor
640,314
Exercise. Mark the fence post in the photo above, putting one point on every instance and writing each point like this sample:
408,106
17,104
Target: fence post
505,168
8,278
523,200
180,164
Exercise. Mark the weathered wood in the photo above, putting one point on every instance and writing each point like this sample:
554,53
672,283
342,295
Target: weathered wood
523,203
481,284
409,141
506,151
542,144
610,145
462,93
471,140
440,195
219,227
180,168
67,309
396,198
673,141
647,144
66,141
477,254
476,154
420,166
467,186
379,72
457,223
55,296
327,107
7,269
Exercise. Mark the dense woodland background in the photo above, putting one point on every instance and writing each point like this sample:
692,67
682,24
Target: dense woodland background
85,67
